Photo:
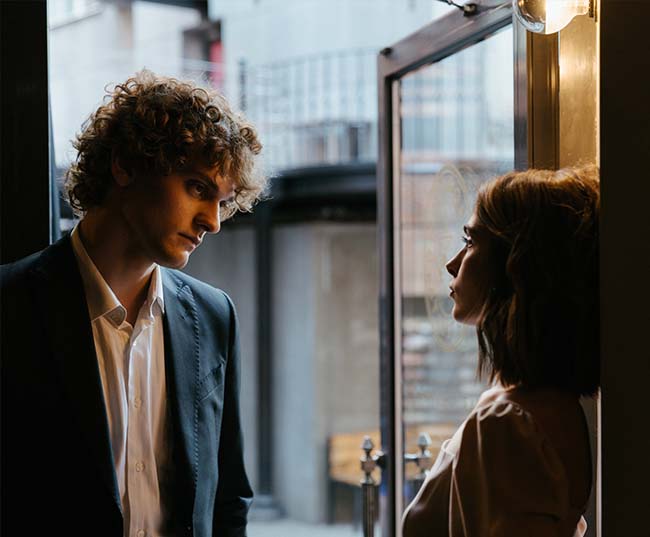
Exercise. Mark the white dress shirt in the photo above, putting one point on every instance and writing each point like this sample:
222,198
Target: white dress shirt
132,368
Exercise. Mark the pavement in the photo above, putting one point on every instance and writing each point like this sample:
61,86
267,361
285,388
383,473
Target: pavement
291,528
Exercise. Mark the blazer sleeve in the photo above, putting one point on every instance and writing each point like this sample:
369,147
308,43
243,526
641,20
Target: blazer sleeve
506,478
234,494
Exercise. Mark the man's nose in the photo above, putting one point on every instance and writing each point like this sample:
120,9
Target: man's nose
211,219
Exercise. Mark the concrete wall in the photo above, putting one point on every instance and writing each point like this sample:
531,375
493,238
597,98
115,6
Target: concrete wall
297,464
326,348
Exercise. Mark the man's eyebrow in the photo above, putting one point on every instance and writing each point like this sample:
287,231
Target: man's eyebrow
205,177
212,183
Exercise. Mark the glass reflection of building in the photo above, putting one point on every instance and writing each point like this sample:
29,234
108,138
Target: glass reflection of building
456,132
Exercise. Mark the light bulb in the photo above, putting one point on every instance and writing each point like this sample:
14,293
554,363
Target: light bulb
548,16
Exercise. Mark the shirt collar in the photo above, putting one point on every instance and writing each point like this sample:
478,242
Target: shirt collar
100,297
155,296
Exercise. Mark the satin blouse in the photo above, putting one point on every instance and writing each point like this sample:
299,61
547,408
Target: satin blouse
498,476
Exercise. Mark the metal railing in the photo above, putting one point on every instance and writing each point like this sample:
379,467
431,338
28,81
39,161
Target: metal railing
319,109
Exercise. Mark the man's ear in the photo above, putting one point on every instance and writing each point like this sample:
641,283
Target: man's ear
122,178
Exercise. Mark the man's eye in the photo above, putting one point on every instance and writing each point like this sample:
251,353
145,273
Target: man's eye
468,241
226,207
198,188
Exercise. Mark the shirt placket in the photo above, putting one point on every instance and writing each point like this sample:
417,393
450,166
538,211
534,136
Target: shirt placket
138,461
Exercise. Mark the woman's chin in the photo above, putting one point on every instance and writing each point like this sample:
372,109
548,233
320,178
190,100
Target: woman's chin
464,317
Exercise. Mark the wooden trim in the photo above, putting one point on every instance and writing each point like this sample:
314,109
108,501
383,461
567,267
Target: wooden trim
543,70
521,96
624,265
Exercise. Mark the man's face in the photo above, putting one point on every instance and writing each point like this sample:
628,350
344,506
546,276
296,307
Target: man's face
168,217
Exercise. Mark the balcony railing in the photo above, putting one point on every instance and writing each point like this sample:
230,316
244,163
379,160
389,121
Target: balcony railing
319,109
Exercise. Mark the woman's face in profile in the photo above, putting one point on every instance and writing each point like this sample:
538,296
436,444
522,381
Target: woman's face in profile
472,274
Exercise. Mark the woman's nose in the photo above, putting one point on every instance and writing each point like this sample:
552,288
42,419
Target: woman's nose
453,264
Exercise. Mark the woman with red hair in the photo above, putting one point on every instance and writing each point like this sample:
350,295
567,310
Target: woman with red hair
527,278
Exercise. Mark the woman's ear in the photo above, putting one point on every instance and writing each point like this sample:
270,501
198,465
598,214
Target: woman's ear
120,175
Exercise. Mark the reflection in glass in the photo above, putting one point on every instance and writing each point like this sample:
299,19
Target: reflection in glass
456,132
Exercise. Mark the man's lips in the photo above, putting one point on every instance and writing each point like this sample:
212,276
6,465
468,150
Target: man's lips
194,240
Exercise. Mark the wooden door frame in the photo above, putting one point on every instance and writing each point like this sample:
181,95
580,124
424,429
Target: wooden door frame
624,266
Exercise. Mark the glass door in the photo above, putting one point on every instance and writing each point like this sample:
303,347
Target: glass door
447,124
456,131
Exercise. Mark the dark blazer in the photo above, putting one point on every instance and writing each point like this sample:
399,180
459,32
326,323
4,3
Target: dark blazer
58,476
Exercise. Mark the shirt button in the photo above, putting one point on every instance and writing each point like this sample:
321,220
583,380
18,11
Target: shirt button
139,466
141,533
137,402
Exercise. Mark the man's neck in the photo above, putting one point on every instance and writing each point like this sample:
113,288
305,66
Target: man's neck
128,276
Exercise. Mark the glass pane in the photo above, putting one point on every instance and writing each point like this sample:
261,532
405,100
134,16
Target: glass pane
456,132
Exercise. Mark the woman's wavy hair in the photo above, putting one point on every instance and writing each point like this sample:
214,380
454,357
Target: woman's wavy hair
155,126
540,324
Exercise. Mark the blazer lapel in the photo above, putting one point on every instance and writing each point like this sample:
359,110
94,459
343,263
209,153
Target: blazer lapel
72,343
182,366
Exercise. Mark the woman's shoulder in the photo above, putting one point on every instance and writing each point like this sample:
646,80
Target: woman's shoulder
524,428
548,415
503,447
502,418
497,407
547,407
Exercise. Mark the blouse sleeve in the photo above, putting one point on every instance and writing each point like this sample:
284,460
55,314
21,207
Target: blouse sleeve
506,478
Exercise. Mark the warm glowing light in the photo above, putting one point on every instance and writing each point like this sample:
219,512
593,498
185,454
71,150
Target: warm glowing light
548,16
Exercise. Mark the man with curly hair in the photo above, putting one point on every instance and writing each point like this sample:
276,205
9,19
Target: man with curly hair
120,374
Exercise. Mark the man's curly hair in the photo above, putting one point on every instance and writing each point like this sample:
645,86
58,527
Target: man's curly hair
154,126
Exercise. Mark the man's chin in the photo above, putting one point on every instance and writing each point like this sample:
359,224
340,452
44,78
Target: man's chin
175,262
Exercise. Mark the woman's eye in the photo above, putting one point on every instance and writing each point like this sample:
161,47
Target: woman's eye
467,240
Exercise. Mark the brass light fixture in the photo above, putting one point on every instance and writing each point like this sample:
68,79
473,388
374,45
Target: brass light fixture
550,16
